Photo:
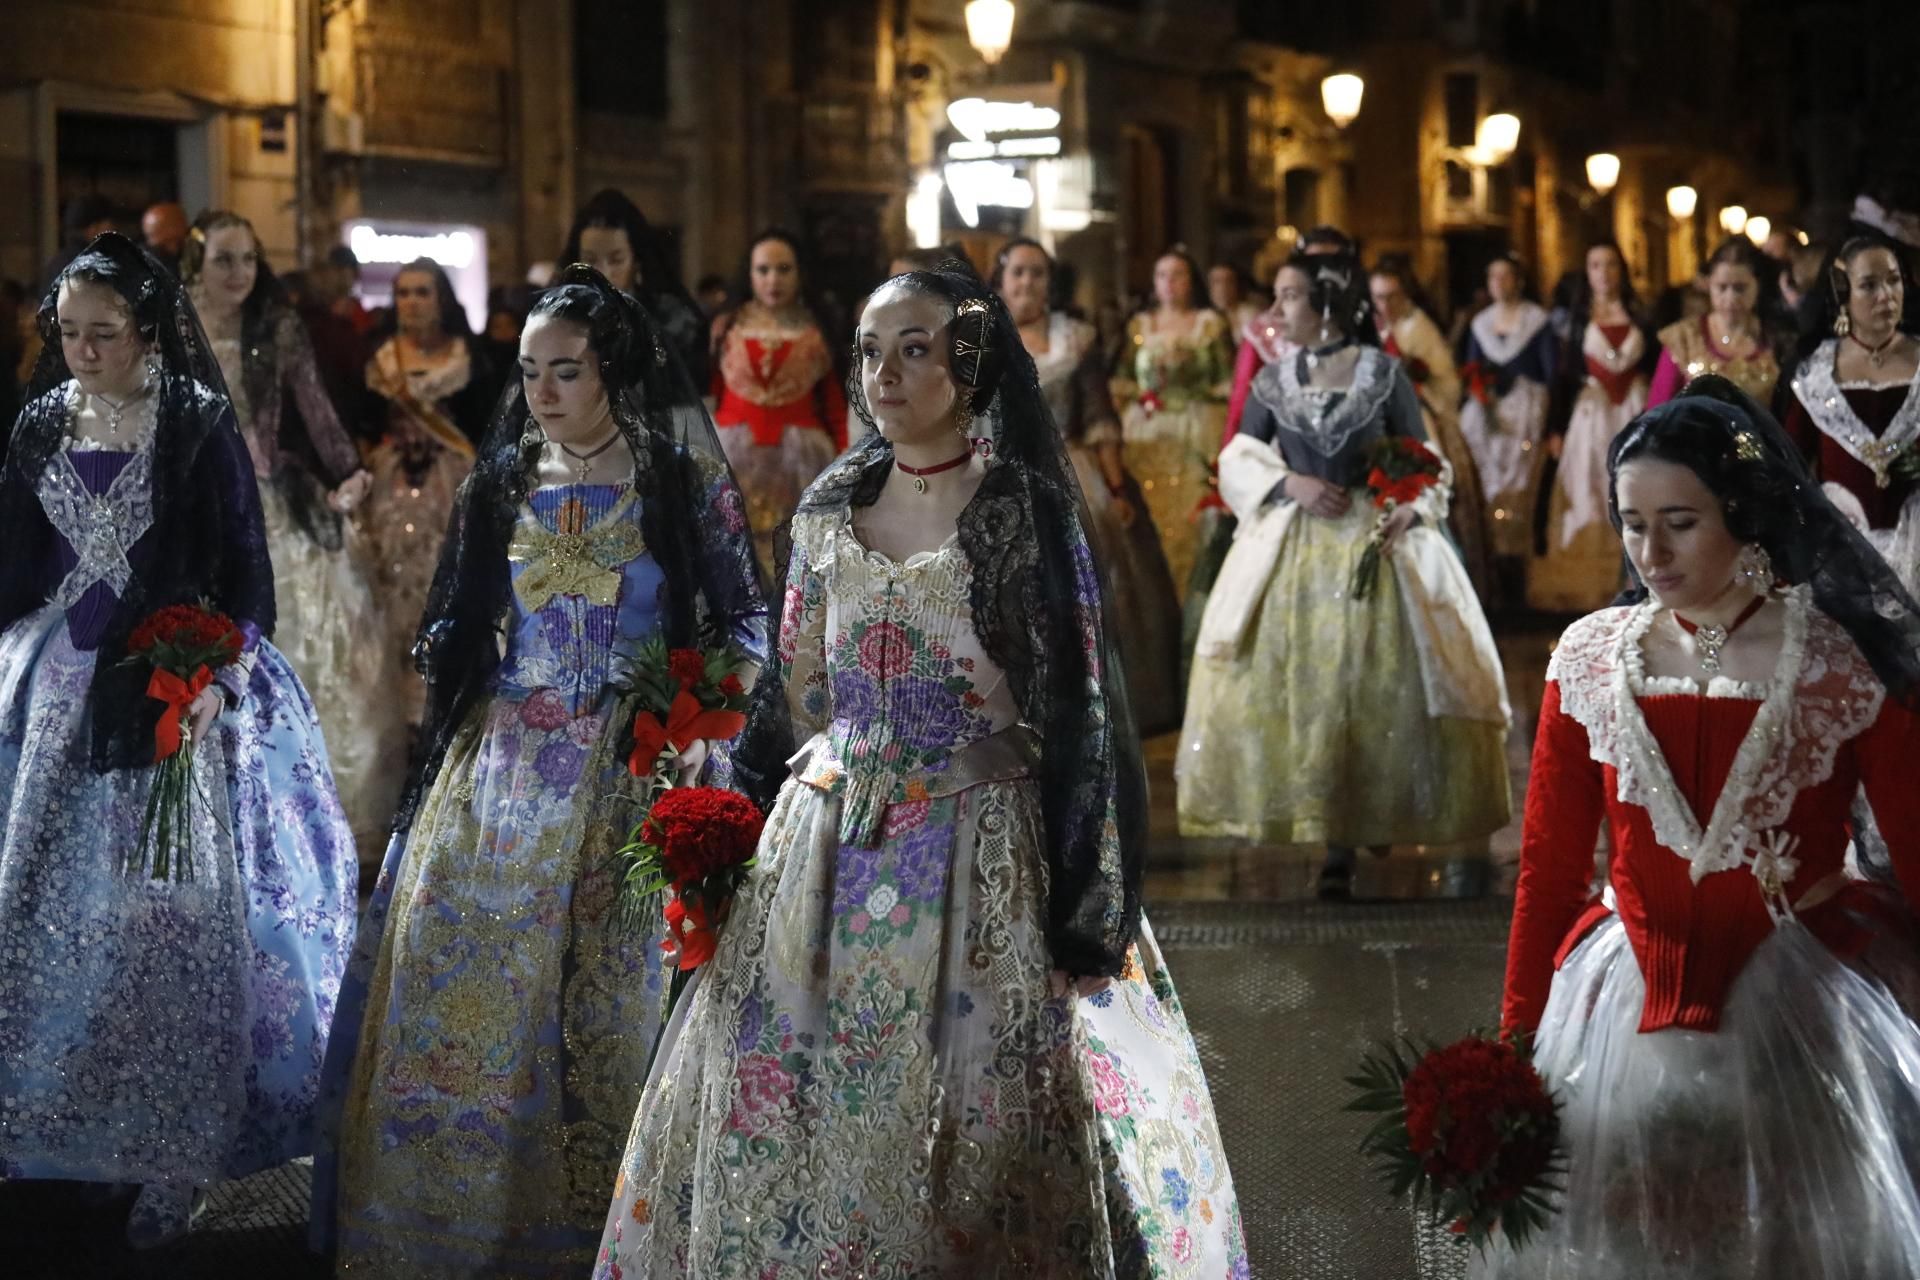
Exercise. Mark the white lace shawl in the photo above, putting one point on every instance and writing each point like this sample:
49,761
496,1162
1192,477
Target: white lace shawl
1822,694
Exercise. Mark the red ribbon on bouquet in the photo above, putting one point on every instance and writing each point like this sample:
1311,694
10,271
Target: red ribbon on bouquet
178,695
687,721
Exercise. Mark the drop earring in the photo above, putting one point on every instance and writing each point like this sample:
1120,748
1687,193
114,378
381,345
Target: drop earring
1842,324
1326,320
1754,569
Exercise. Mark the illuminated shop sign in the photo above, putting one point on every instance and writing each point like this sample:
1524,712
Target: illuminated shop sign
449,249
383,247
986,165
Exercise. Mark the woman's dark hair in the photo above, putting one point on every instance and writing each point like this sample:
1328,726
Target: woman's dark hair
1337,289
1581,303
129,275
742,294
1826,300
1326,237
1395,266
1770,499
453,316
1520,269
1196,293
654,272
1006,252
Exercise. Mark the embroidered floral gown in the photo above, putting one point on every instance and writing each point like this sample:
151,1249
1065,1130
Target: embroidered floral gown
1730,1026
1503,417
782,415
1173,396
1579,567
328,624
158,1032
871,1077
1689,350
1313,717
1853,433
496,1022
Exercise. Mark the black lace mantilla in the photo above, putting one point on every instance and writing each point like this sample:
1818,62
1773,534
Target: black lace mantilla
1038,609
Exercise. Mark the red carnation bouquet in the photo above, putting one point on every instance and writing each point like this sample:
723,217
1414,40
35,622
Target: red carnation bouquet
696,845
1470,1129
184,644
1480,382
1399,470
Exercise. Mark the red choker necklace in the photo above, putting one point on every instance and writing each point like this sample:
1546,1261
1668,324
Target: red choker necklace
920,474
1710,639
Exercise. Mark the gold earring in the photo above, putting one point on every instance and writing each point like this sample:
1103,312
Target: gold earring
1842,324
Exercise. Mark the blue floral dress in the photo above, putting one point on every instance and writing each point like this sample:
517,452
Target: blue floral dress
159,1032
871,1078
496,1024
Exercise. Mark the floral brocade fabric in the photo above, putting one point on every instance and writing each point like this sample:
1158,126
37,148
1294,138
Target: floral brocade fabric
871,1077
497,1020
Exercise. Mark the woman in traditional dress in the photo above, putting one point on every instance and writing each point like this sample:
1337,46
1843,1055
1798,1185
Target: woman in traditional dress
1855,411
309,474
1141,600
431,385
1410,335
1729,1027
782,413
1315,717
938,1038
1601,386
496,1023
1178,366
1507,362
1728,339
612,236
165,1033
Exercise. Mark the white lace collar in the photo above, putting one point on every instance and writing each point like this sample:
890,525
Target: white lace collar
1325,417
1822,694
1066,347
1820,395
1505,348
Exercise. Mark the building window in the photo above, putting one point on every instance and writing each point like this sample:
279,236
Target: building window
1303,198
620,57
1463,107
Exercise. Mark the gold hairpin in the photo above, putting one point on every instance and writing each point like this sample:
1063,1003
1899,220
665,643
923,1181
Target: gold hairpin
962,347
1746,447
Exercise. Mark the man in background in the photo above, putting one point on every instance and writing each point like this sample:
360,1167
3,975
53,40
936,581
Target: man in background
164,227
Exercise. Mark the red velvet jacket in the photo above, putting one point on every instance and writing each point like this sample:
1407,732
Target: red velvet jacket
1674,774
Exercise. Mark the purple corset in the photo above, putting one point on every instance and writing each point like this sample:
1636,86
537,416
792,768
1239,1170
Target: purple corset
88,617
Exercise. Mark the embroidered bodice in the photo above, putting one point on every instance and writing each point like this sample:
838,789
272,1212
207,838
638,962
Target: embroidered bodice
1613,359
772,375
296,371
886,671
1494,361
1180,365
586,593
1689,349
1727,806
100,504
1856,433
1326,431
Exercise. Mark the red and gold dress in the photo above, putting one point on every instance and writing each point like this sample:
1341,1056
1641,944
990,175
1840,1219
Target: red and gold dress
782,415
1853,434
1728,1025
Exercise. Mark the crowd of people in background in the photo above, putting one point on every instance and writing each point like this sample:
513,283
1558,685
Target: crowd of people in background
1273,519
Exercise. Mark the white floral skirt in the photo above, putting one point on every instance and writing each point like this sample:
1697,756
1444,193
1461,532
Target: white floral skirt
871,1078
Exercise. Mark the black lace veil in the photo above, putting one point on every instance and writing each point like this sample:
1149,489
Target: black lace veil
206,540
691,514
1038,605
1770,498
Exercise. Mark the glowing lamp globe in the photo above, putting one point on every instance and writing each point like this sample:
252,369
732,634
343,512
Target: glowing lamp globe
1733,219
1682,201
990,27
1340,95
1603,171
1758,229
1497,136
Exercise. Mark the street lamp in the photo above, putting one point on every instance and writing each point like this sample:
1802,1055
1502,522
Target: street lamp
1682,201
1340,95
1497,137
990,27
1603,171
1758,229
1733,219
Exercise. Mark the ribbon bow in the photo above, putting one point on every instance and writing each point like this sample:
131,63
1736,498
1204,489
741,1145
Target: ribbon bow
690,939
687,722
178,695
586,564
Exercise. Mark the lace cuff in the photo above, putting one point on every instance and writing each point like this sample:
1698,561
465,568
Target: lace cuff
233,678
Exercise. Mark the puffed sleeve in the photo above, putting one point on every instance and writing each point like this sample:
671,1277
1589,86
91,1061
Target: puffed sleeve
1666,380
1566,800
800,652
1246,364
